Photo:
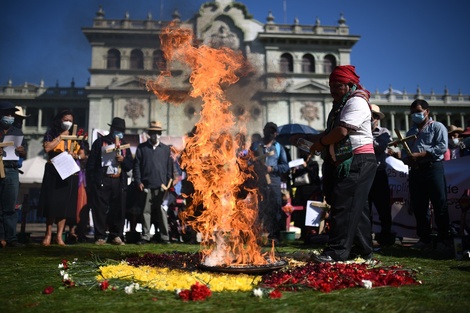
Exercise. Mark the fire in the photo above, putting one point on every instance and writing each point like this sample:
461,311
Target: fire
225,219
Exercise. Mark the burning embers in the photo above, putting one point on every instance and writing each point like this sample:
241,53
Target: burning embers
225,219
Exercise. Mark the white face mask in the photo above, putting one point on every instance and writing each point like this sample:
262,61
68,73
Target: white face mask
66,125
455,141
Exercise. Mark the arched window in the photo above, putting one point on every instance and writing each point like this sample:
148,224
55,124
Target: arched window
308,64
329,63
286,63
137,59
159,62
113,59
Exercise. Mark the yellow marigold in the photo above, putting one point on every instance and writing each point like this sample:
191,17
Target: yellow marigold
169,280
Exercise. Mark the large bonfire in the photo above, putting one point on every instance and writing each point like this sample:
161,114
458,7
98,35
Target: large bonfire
225,219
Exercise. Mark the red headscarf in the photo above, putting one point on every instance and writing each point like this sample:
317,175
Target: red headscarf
345,74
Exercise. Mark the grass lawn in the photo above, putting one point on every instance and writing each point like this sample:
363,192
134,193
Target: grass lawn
25,272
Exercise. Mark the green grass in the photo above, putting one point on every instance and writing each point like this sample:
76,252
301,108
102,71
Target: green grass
25,272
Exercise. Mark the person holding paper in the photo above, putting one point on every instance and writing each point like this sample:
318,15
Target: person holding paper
9,183
58,198
109,161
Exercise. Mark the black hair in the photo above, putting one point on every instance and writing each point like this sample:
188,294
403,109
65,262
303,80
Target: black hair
56,122
423,103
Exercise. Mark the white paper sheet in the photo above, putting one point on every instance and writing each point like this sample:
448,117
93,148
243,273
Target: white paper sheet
65,165
313,215
9,151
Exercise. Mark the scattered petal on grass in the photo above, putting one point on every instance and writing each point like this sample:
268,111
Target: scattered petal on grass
48,290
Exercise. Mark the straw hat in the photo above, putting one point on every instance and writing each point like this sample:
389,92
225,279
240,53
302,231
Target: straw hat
19,112
376,110
454,129
155,126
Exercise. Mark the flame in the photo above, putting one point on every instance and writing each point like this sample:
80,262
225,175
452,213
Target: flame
225,219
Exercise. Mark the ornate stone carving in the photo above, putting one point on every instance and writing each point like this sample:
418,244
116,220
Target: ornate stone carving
134,109
222,36
310,112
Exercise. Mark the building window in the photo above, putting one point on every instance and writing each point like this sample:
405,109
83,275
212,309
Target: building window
114,59
159,62
308,64
286,63
33,119
329,63
137,59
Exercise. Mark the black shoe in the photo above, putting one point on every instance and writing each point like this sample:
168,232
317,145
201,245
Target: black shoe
142,242
321,258
15,244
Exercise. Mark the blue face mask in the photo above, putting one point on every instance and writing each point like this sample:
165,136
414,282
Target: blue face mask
119,134
7,120
418,117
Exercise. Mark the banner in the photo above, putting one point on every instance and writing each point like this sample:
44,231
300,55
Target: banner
457,174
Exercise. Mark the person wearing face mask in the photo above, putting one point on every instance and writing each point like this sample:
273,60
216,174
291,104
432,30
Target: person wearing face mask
58,198
153,167
270,166
453,151
9,185
107,185
426,175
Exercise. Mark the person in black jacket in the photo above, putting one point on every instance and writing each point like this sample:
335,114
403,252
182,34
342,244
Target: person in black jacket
153,169
107,184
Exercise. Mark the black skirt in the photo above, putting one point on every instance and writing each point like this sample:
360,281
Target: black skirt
58,198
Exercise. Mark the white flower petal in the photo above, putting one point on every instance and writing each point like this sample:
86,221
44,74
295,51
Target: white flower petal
367,284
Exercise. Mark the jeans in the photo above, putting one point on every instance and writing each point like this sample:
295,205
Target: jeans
428,183
9,187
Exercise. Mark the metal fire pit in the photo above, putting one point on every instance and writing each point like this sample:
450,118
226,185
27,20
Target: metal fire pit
244,269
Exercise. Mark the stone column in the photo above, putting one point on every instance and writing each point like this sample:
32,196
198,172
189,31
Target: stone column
392,120
407,121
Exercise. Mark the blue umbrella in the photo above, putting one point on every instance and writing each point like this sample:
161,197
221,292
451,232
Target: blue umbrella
284,132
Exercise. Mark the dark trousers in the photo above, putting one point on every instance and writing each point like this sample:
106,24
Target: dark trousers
9,187
270,213
108,208
349,214
379,195
428,183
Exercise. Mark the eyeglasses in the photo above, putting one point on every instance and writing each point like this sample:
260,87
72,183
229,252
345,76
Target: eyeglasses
375,116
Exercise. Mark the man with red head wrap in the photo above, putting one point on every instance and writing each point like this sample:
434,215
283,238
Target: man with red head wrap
349,168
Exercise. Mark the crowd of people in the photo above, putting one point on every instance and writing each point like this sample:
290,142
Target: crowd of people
354,147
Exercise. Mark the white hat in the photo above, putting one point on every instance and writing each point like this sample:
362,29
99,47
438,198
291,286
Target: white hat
375,109
19,112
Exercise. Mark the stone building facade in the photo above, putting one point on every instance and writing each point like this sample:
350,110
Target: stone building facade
290,63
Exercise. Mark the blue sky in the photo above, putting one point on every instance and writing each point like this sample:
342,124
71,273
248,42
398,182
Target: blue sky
404,43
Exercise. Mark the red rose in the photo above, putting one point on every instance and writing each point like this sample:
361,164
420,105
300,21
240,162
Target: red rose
200,292
275,294
104,285
184,294
65,264
48,290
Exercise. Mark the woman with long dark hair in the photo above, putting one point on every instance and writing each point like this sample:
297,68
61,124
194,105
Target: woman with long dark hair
58,199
